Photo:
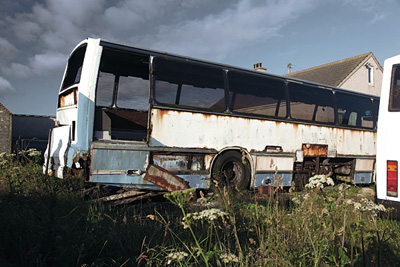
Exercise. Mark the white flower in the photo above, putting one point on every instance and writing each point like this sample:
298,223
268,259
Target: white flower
296,200
229,257
368,206
32,152
176,256
209,214
318,181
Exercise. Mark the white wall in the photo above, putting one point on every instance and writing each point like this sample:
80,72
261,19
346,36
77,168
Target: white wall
359,80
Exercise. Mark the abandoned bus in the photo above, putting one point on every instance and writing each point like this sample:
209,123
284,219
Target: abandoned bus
134,117
388,145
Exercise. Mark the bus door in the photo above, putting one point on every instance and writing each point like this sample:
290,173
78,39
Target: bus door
119,150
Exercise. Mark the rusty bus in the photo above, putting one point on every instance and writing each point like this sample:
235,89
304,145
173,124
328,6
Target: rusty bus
128,116
388,146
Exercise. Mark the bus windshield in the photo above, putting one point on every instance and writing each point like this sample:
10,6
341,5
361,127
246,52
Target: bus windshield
73,73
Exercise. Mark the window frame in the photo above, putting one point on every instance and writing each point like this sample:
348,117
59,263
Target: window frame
395,68
319,89
178,97
257,77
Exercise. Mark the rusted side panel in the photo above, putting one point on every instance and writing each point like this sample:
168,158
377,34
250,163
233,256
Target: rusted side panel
186,129
314,150
126,160
273,163
163,179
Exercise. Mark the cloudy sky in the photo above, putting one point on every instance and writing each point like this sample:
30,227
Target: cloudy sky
36,37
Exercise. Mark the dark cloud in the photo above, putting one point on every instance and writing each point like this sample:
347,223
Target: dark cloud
37,37
5,87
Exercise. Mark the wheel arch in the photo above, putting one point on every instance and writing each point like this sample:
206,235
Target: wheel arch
240,150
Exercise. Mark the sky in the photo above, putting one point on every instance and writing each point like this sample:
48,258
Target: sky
36,37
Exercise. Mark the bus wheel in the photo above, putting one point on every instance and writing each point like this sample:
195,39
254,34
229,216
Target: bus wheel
233,170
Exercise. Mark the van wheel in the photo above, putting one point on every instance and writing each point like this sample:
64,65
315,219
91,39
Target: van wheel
232,170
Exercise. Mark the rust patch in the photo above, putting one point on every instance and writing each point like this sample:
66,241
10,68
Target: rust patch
163,179
314,150
266,191
69,99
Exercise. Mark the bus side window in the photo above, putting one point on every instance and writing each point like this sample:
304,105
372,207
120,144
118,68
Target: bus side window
394,98
310,103
253,94
354,111
122,96
189,85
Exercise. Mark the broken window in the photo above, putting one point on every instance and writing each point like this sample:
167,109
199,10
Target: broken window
69,94
122,96
74,68
189,85
354,110
256,95
311,103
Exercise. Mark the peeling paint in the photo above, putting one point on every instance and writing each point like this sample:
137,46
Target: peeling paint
164,179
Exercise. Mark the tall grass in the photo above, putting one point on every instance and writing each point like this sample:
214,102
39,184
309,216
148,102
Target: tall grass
49,222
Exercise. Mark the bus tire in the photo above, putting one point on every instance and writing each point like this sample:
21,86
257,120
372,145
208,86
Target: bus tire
233,170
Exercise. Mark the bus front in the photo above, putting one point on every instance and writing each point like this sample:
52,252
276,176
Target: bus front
69,141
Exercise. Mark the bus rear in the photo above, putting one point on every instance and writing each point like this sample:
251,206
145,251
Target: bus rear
388,142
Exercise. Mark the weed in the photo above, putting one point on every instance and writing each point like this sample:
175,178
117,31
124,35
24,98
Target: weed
46,222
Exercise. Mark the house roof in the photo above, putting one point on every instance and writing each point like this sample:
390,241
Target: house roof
9,113
335,73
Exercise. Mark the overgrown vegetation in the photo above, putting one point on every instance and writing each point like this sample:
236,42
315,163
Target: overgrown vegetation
48,222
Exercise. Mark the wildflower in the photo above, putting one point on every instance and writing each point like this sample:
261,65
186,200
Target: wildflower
296,200
176,256
180,198
33,152
369,206
343,187
208,215
299,199
318,181
229,257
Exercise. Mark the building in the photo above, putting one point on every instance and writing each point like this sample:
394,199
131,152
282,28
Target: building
361,73
31,131
5,129
21,132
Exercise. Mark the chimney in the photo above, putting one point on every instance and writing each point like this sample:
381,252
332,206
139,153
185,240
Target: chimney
258,67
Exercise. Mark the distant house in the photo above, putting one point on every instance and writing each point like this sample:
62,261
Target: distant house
21,132
361,73
5,129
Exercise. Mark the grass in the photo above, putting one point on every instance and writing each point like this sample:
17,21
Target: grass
48,222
